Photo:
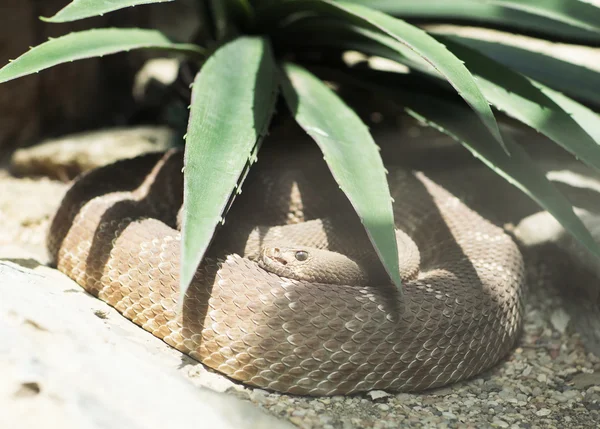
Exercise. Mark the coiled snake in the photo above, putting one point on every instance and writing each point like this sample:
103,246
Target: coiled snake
290,296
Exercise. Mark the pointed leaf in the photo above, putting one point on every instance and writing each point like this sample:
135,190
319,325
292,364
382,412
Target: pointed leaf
521,98
414,38
573,12
517,168
479,11
230,113
88,44
586,118
351,154
458,121
573,79
343,35
80,9
568,123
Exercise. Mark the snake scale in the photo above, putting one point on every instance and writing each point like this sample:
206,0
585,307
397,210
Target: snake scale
255,314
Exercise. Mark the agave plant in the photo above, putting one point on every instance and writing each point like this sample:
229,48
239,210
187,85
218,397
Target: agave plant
248,62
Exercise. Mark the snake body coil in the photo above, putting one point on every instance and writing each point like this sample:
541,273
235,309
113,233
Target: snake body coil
115,234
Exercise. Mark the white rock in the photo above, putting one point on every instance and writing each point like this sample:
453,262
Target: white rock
560,320
378,394
63,367
543,412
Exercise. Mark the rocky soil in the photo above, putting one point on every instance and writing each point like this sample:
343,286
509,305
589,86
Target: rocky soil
69,360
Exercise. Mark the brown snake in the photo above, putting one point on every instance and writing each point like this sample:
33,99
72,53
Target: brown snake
461,312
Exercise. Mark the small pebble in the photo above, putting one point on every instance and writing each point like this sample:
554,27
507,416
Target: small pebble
378,394
543,412
500,423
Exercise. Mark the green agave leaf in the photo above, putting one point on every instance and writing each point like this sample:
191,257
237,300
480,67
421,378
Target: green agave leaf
574,12
80,9
517,168
88,44
337,34
351,154
575,80
543,110
414,38
459,122
586,118
481,11
570,124
230,113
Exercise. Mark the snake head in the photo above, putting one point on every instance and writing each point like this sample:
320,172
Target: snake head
286,261
312,265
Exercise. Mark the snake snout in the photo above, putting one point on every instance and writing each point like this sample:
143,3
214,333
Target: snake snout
274,254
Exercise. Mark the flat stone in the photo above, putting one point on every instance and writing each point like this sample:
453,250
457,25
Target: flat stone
65,157
64,367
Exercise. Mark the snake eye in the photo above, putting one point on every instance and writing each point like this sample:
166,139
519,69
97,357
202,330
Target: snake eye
301,255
